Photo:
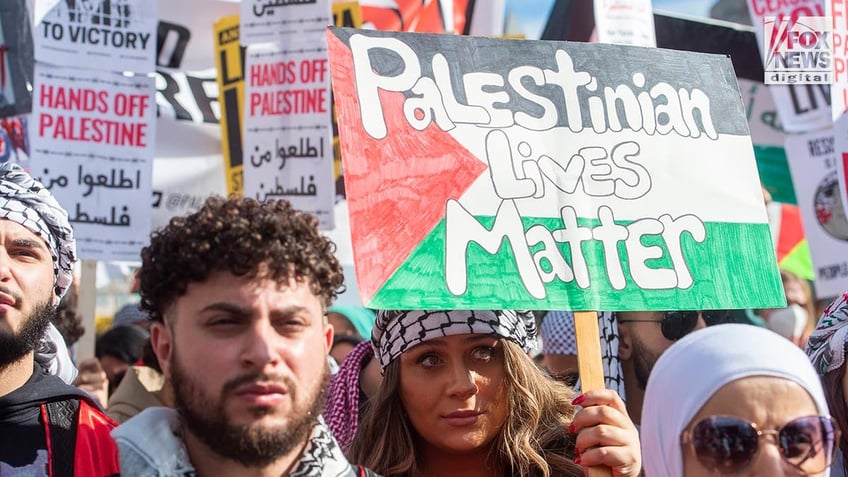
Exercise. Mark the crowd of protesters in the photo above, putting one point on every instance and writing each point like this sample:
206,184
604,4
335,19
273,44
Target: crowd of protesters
237,362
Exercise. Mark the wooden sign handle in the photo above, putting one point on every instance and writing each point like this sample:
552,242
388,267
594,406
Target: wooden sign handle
589,362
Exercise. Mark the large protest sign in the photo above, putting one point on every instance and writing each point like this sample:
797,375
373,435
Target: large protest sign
497,173
93,141
230,62
16,49
288,133
103,34
814,172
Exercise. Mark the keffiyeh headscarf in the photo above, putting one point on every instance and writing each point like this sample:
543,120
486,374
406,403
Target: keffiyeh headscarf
720,354
397,331
341,409
826,345
558,336
26,201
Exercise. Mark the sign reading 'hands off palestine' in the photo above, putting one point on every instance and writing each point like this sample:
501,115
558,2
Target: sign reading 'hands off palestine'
486,173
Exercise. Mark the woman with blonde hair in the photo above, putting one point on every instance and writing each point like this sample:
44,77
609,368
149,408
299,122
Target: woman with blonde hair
460,396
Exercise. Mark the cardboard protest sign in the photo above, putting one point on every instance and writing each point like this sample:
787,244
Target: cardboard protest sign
547,175
288,132
814,172
93,139
99,34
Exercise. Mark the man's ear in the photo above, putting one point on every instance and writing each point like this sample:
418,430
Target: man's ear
161,339
625,342
328,337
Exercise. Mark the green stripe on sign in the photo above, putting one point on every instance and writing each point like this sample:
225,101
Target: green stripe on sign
774,173
734,267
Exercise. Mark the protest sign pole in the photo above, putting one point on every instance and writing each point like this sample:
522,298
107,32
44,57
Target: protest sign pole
87,309
589,363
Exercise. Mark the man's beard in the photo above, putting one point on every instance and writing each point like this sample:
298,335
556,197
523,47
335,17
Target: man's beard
15,346
251,446
643,363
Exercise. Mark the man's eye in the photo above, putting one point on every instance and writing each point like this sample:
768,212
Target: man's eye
224,321
25,253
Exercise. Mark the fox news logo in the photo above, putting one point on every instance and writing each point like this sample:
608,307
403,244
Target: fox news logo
799,51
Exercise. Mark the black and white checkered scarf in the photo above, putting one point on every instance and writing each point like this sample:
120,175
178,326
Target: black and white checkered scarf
26,201
397,331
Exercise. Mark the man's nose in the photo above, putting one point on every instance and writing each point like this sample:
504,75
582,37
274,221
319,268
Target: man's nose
260,346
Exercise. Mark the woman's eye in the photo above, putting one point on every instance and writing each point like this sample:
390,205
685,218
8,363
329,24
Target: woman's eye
429,361
484,353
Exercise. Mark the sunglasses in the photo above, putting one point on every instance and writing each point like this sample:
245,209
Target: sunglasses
726,444
677,324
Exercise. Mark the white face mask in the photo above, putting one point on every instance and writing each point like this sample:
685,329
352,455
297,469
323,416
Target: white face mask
788,322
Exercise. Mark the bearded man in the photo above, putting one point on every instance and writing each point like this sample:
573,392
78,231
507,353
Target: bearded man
238,293
46,426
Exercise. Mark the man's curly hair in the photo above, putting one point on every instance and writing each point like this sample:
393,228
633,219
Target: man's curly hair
237,235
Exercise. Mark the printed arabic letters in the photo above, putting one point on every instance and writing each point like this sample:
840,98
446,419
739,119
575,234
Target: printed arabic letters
304,150
61,181
122,220
117,179
264,157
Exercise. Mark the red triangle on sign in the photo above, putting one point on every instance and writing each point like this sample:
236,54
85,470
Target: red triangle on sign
396,187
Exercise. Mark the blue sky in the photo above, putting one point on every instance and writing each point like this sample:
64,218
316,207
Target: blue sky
532,14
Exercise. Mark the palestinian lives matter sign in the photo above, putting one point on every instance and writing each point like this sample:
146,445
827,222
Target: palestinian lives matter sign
812,160
93,141
548,175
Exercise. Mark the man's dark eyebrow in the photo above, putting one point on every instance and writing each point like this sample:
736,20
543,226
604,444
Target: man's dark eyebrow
29,243
246,311
227,307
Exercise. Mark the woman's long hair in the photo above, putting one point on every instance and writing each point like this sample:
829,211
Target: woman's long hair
835,396
534,440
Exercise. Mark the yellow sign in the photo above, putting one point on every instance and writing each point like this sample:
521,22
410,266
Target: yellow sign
229,59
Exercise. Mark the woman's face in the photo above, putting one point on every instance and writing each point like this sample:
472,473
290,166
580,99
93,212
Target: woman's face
454,392
769,403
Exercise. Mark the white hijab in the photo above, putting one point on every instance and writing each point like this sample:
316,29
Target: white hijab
694,368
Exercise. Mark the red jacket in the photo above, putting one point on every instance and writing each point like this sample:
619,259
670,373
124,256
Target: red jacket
95,454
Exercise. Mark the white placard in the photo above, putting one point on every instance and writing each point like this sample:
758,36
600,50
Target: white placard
112,35
814,172
288,151
93,137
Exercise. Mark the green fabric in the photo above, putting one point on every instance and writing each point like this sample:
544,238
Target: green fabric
361,318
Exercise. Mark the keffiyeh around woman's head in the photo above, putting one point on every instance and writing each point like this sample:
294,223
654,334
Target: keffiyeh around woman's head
397,331
694,368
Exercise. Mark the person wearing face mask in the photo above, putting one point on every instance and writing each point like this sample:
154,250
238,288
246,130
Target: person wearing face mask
736,400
